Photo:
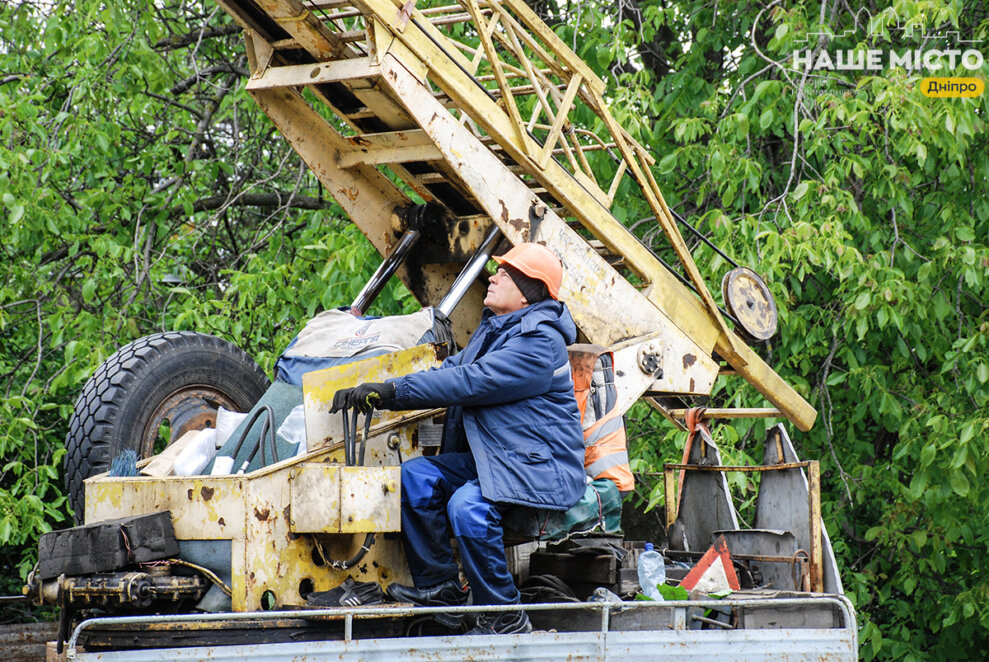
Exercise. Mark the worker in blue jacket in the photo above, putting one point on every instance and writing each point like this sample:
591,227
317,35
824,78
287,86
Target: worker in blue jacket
512,437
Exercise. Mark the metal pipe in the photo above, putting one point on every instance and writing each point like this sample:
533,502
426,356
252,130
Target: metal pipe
470,272
843,604
384,271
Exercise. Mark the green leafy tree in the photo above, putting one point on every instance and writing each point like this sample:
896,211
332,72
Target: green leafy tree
142,190
864,205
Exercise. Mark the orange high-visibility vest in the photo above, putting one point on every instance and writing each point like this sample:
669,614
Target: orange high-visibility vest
605,445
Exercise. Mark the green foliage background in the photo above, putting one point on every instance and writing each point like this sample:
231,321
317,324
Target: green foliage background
142,190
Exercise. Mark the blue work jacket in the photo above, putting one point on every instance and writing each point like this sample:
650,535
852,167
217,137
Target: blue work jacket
509,393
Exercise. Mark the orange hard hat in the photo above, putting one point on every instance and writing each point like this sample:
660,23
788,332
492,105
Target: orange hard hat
536,261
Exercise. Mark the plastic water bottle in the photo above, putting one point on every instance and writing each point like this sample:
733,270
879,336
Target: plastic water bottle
652,572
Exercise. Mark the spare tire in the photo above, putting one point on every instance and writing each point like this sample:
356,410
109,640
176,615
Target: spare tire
178,379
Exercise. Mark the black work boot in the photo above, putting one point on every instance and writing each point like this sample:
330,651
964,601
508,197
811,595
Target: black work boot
502,622
445,594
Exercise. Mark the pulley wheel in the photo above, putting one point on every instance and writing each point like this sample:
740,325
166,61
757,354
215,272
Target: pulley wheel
750,302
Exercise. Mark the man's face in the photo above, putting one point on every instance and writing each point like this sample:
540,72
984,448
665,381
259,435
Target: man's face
503,294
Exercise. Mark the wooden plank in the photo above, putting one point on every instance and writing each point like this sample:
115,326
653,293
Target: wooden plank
816,544
755,412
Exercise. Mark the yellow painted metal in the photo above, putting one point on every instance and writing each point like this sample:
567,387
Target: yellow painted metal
310,74
606,307
270,515
255,512
670,492
366,195
329,498
319,387
508,101
391,147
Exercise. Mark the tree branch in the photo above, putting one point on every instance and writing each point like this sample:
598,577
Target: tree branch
182,40
257,200
222,68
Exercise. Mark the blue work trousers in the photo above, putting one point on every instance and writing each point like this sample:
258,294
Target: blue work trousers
441,492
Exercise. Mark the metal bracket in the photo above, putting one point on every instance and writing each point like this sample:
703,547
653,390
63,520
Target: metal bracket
650,359
259,53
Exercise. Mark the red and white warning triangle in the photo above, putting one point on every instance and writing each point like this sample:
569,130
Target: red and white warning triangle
714,573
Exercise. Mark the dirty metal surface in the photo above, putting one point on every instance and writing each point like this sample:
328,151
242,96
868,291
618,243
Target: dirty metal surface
329,498
253,511
704,503
749,300
783,503
763,542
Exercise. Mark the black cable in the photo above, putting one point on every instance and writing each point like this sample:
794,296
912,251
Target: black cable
690,285
347,460
269,427
270,416
703,238
356,558
367,431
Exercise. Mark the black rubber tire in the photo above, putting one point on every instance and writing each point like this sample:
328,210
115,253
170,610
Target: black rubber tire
124,395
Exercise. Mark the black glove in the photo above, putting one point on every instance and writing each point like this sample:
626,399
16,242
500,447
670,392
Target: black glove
363,397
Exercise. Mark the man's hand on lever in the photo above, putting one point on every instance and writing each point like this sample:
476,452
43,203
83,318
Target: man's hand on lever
363,398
